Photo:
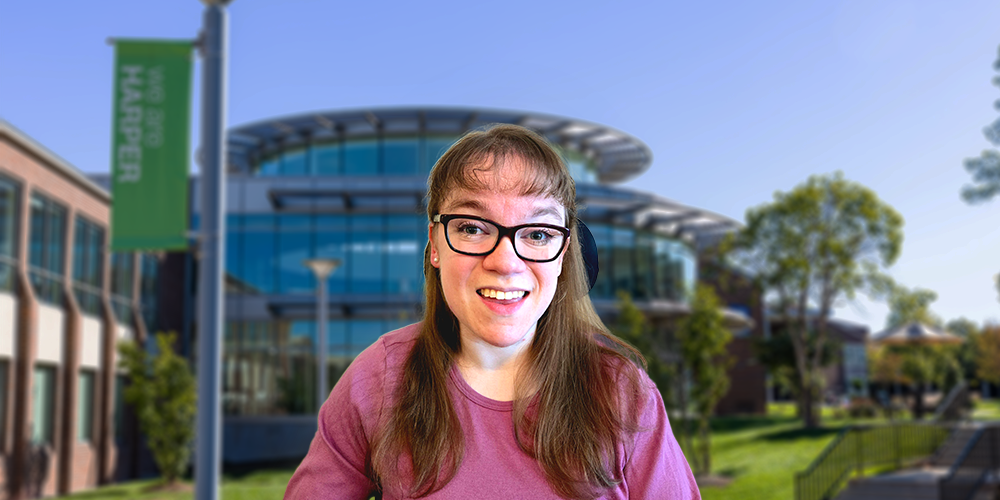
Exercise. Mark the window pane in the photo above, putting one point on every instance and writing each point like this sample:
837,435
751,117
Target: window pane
402,156
621,258
294,247
407,237
326,159
85,407
331,242
294,162
365,270
603,288
644,266
270,167
361,158
258,247
8,217
434,147
42,399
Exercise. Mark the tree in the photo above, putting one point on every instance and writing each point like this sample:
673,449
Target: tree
777,355
703,339
985,170
918,364
911,306
825,240
161,391
988,354
633,327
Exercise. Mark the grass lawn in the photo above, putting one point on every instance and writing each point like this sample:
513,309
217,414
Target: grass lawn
258,485
759,454
762,454
987,410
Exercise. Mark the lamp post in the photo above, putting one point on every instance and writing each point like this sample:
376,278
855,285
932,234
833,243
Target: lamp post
208,457
322,269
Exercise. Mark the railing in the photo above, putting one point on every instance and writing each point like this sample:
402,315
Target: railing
955,405
860,447
980,457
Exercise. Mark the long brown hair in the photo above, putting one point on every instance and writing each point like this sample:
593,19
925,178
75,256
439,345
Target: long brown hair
585,388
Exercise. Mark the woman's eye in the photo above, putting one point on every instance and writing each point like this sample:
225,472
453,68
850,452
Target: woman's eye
539,236
470,229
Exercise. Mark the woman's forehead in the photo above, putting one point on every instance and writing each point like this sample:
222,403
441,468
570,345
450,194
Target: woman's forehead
486,201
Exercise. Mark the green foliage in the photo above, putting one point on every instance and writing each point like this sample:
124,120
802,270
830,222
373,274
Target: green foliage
911,306
824,240
703,339
985,169
777,354
162,393
633,327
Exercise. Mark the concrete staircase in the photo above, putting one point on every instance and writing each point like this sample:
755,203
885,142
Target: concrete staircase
949,452
921,483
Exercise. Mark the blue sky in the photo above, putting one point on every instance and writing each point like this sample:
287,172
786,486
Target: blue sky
737,100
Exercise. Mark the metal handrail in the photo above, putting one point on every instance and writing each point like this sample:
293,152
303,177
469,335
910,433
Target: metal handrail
951,399
979,458
858,447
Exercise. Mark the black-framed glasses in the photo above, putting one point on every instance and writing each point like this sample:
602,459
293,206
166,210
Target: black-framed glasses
471,235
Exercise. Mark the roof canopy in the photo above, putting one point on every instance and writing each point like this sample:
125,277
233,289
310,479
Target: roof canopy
617,155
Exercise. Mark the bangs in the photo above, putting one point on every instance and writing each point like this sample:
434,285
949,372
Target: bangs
504,158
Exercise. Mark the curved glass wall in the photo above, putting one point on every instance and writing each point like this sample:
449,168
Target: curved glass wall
379,253
269,367
402,156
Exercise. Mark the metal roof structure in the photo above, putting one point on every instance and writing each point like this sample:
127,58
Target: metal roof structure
617,155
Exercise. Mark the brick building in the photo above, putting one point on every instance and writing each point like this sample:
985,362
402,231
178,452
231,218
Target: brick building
65,301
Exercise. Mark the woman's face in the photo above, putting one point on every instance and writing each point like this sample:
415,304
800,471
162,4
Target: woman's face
469,281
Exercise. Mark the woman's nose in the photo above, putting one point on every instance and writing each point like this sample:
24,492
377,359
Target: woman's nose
504,259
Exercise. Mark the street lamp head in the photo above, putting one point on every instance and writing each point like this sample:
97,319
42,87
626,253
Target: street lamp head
322,267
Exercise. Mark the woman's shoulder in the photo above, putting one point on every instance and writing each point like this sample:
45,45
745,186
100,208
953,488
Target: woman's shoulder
386,354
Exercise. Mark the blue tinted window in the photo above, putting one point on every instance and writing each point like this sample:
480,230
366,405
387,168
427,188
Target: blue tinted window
294,247
603,288
258,253
361,158
331,243
406,239
326,159
294,162
46,248
270,167
364,333
644,278
623,240
8,217
402,156
434,147
366,242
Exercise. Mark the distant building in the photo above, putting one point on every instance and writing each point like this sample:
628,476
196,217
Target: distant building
65,301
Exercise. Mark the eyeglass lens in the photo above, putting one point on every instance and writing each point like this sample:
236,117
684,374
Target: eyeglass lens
480,237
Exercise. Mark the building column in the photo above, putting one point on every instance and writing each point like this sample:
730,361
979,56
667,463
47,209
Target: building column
26,350
107,452
70,367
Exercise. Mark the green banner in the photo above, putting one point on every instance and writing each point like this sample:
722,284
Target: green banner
150,154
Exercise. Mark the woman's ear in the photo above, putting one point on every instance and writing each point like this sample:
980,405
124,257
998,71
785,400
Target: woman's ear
430,241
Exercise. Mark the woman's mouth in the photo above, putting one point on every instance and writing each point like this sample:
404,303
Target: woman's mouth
490,293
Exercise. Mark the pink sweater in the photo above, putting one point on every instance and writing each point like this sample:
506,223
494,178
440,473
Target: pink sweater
493,466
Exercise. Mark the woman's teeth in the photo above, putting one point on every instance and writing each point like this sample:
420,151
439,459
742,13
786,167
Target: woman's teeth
497,294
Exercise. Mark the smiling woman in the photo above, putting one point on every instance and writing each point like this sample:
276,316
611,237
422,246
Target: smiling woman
511,386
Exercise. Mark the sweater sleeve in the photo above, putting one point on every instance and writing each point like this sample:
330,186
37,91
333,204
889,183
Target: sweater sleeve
656,468
336,462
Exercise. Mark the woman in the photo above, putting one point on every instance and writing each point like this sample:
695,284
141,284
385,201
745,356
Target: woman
511,387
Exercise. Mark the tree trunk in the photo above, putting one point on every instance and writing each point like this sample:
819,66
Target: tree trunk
705,445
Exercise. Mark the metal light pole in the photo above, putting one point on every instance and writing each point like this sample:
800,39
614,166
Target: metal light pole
213,229
322,269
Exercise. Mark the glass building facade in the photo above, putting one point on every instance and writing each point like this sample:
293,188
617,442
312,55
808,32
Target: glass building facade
351,186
